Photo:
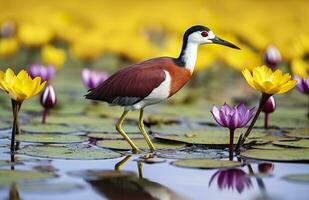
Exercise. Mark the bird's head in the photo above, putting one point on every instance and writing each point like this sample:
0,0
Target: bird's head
203,35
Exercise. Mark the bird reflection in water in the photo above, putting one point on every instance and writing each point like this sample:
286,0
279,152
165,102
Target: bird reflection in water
122,185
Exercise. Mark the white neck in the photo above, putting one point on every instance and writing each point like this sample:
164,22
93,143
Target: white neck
189,56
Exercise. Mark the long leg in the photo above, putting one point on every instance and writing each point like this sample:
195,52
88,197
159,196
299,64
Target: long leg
123,133
143,131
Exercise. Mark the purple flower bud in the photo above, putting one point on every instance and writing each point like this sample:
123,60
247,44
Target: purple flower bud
93,78
266,168
270,105
48,97
232,118
45,72
272,57
302,84
231,179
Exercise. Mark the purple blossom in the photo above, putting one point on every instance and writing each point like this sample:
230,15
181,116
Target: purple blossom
302,84
231,179
266,168
232,118
93,78
45,72
270,105
272,57
48,97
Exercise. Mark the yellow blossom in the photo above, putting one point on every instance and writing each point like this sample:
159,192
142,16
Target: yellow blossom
21,86
53,56
300,67
34,35
265,80
8,47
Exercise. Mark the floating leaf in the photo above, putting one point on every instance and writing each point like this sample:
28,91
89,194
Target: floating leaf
298,178
49,187
304,143
299,133
206,163
50,138
267,146
62,152
288,155
99,174
114,136
273,138
105,128
7,177
208,137
47,128
141,143
192,154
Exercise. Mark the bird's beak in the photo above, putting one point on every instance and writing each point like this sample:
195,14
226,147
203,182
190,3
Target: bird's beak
217,40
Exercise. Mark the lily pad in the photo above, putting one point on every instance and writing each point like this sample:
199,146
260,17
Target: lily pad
114,136
99,174
298,178
192,154
141,143
267,146
207,137
304,143
7,177
74,153
273,138
299,133
50,138
49,187
47,128
4,126
105,128
282,155
206,163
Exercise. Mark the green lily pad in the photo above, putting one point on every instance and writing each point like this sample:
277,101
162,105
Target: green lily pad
298,178
273,138
74,153
50,187
141,143
304,143
47,128
267,146
299,133
4,126
208,137
76,120
7,177
282,155
68,108
170,129
206,163
114,136
105,128
50,138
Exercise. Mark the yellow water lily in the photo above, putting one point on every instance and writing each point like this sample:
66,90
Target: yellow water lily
21,86
8,47
265,80
53,56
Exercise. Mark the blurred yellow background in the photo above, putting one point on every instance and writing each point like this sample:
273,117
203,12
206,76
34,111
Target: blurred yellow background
137,30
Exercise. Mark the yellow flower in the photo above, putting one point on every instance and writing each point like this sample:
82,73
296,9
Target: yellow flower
300,68
21,86
53,56
263,79
8,47
34,35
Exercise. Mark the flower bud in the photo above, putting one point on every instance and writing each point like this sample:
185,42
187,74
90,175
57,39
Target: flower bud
45,72
272,57
266,168
270,105
302,84
48,97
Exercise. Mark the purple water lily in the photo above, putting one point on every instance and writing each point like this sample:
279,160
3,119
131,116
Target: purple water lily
302,84
272,57
232,118
231,179
48,100
268,108
45,72
93,78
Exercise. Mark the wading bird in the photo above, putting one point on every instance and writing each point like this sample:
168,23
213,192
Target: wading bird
152,81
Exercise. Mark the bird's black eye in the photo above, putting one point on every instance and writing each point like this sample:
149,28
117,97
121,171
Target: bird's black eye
204,34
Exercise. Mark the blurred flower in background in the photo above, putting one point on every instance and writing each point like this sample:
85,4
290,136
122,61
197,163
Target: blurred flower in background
45,72
92,78
272,57
32,35
8,47
53,56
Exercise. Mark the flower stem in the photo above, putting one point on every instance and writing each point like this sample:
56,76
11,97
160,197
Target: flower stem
262,103
15,129
231,144
308,107
266,119
44,115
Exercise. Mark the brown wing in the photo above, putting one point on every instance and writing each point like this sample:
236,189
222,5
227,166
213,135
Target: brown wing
131,84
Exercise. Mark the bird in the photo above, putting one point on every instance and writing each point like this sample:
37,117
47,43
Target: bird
152,81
